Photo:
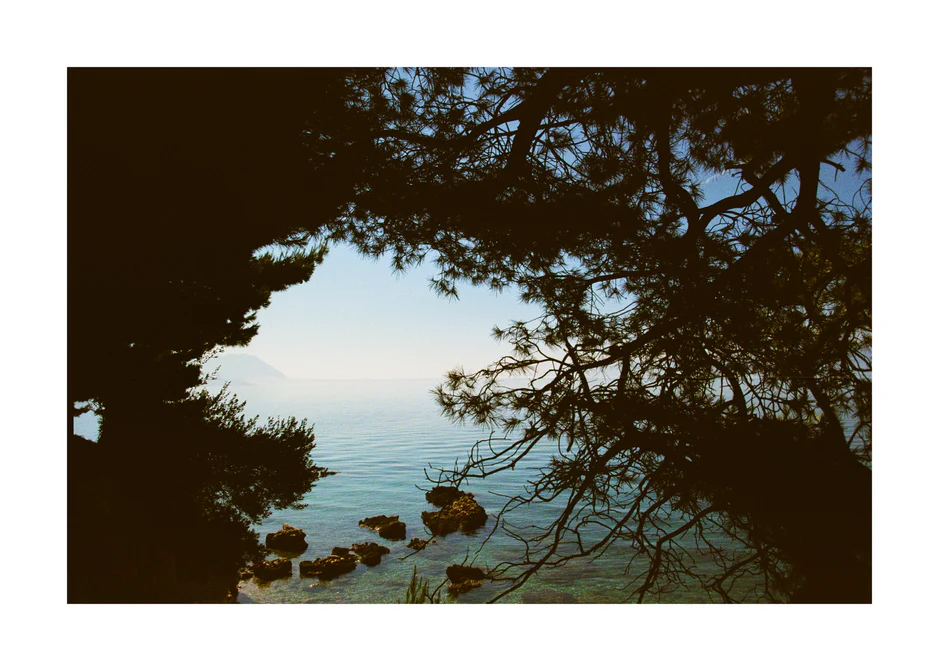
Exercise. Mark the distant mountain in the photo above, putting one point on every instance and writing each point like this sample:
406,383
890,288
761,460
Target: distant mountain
243,368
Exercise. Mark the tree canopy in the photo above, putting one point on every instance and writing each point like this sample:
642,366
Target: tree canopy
699,354
181,182
701,365
177,178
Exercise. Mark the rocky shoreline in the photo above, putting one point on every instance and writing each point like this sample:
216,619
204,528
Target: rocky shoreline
458,511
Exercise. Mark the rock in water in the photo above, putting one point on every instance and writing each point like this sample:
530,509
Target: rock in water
417,544
288,539
442,496
462,513
377,522
387,527
465,586
396,531
272,570
458,573
327,567
464,578
369,554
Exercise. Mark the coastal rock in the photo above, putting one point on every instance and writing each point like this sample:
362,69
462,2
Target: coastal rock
288,539
465,586
396,531
342,552
327,567
245,574
272,570
457,573
417,544
462,513
387,527
441,496
369,554
464,578
377,522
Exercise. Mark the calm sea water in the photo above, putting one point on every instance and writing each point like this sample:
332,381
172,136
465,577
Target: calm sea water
382,437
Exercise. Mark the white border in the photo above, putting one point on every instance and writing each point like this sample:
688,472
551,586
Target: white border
43,38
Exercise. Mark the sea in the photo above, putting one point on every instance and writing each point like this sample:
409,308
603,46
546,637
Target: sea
385,440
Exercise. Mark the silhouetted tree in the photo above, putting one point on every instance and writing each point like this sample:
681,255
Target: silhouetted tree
177,178
700,358
180,181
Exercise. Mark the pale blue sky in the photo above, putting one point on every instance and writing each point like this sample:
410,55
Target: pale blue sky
356,319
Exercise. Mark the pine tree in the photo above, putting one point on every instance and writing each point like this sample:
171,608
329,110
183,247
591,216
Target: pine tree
700,355
189,205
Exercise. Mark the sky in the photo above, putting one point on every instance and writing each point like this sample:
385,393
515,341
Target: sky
356,319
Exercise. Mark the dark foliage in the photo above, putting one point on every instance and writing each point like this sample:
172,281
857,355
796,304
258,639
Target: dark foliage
180,181
176,179
161,512
700,357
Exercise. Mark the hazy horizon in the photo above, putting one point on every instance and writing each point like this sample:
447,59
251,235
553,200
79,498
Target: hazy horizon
219,361
357,319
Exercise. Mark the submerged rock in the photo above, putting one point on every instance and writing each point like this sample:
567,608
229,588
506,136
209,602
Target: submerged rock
441,496
464,578
387,527
462,513
458,573
327,567
396,531
465,586
272,570
369,554
288,539
377,522
417,544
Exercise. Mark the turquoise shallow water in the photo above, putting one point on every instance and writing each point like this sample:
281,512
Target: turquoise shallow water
380,436
383,437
